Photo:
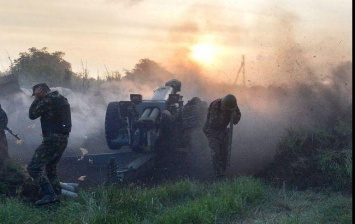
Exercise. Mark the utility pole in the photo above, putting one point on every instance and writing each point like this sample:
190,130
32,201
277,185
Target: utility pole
241,69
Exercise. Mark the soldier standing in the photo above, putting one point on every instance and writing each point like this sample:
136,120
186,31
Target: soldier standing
4,153
219,116
54,112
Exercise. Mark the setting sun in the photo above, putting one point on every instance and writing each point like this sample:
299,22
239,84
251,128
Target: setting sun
204,53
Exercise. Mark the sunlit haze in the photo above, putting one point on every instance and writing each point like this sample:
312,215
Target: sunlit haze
274,36
204,53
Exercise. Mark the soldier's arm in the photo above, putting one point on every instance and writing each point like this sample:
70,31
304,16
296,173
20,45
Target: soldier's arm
39,107
3,119
237,116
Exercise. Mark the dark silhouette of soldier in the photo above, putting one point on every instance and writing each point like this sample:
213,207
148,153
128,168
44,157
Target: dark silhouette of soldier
4,153
55,115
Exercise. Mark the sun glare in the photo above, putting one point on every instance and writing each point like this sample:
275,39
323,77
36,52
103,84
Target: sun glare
204,53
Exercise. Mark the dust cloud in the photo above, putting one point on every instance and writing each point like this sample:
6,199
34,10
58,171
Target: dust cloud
269,111
293,80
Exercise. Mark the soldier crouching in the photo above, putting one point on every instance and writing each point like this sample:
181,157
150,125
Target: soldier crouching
220,113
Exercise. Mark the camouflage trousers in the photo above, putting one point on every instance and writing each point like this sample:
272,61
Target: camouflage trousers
43,165
218,142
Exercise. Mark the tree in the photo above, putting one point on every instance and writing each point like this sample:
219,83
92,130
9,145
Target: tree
113,76
38,65
148,72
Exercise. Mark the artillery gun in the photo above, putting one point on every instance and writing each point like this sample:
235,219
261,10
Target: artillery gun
143,132
146,125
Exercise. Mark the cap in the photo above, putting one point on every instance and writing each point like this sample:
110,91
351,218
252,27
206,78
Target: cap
39,85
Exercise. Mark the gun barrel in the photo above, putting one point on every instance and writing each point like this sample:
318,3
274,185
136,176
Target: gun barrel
148,118
146,113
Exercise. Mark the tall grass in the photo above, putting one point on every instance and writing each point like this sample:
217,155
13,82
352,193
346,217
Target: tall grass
242,200
182,202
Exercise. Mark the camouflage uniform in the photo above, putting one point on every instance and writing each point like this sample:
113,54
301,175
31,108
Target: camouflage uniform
55,133
4,153
216,132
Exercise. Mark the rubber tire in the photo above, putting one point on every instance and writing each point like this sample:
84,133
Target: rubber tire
112,125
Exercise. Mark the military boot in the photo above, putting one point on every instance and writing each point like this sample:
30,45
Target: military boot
57,189
49,195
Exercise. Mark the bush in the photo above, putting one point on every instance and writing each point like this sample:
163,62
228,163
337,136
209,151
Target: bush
318,158
11,179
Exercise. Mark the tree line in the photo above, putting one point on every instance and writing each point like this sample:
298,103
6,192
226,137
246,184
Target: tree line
40,65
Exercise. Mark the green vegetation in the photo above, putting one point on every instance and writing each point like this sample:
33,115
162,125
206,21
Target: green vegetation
319,159
245,199
11,178
41,66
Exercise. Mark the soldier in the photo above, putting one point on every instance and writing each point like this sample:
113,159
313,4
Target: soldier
4,153
55,114
215,129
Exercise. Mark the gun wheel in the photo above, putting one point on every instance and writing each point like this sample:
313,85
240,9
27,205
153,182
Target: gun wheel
112,125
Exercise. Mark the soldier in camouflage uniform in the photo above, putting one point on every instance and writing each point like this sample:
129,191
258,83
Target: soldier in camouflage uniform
54,111
215,129
4,153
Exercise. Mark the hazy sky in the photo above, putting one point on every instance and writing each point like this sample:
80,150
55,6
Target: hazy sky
276,36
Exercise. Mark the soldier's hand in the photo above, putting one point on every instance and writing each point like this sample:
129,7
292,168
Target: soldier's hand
38,93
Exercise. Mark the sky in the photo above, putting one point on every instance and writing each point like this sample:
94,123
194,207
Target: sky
276,37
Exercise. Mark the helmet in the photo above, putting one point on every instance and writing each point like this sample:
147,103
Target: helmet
195,100
229,102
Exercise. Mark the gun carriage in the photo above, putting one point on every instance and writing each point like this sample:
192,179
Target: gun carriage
143,131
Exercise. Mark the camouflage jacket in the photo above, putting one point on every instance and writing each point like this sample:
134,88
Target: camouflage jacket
218,119
55,114
3,119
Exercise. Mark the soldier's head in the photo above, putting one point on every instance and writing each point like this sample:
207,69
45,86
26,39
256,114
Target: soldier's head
175,84
229,102
40,88
195,100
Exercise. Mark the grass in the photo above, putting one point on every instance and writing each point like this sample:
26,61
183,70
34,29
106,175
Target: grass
242,200
305,207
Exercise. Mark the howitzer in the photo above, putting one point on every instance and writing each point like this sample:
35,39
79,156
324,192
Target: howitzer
147,130
144,124
160,123
230,137
143,132
9,130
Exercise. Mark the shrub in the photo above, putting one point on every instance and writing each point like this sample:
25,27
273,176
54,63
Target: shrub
314,158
